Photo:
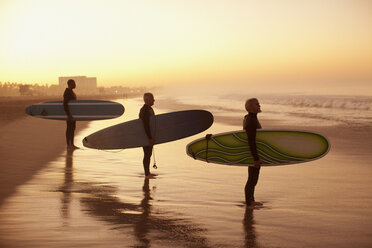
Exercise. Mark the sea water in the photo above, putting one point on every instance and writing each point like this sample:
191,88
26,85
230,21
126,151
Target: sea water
92,198
294,109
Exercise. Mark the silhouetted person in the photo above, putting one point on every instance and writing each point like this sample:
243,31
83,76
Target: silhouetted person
69,95
145,113
251,124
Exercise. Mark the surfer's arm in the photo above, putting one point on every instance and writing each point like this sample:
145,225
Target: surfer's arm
145,116
66,108
146,124
65,105
250,129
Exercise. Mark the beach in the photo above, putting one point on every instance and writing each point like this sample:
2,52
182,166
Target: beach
50,197
28,144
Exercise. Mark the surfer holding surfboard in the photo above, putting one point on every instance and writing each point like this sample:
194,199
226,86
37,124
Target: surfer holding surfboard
69,95
145,113
250,125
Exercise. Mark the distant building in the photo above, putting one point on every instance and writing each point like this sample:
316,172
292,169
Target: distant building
84,85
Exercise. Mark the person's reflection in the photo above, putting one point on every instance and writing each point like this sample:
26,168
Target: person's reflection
248,223
66,187
102,201
142,226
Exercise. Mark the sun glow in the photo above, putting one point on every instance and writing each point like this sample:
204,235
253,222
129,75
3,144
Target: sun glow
168,42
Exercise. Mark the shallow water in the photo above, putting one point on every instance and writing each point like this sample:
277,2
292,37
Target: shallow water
92,198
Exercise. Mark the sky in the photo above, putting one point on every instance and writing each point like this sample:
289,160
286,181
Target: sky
279,43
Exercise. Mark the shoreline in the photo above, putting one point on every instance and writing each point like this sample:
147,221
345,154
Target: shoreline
29,143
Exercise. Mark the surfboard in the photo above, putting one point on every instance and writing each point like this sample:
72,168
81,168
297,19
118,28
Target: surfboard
81,110
274,147
164,128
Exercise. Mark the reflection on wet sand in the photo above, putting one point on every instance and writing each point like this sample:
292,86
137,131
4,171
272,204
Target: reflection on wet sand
67,186
250,234
149,227
141,229
99,200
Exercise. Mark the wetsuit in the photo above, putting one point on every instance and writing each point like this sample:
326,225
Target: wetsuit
69,95
145,113
251,124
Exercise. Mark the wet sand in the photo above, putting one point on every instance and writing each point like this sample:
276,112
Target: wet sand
92,198
27,143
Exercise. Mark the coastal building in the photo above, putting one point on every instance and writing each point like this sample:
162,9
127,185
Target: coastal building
84,85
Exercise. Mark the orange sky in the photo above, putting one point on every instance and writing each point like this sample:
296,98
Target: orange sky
169,42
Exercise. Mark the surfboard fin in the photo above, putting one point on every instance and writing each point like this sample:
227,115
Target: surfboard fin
208,138
193,155
44,113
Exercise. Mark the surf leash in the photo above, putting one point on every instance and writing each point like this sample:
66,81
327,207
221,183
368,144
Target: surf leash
154,166
208,138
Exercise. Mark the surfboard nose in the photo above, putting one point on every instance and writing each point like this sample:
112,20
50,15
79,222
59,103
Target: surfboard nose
28,110
121,109
210,118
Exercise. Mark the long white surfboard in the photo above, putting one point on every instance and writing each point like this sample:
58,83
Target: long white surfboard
275,147
164,128
81,110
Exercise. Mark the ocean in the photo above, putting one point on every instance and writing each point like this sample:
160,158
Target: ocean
294,109
92,198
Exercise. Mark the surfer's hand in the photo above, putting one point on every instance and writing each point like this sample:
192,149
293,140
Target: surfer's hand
257,164
151,142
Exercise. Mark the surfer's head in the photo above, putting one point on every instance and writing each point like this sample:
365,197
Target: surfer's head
71,84
148,98
253,106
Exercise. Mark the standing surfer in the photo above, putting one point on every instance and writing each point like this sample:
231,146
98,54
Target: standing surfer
69,95
145,113
250,125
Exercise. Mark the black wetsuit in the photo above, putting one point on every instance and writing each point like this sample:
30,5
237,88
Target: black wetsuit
145,113
69,95
251,124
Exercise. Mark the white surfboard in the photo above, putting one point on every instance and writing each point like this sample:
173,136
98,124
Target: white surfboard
164,128
81,110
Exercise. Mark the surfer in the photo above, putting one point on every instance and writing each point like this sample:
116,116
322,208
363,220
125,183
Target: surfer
69,95
250,125
145,113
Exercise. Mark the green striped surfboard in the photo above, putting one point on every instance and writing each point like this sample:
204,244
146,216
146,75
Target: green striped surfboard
275,147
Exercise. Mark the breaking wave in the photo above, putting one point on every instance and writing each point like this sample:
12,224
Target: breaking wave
330,102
